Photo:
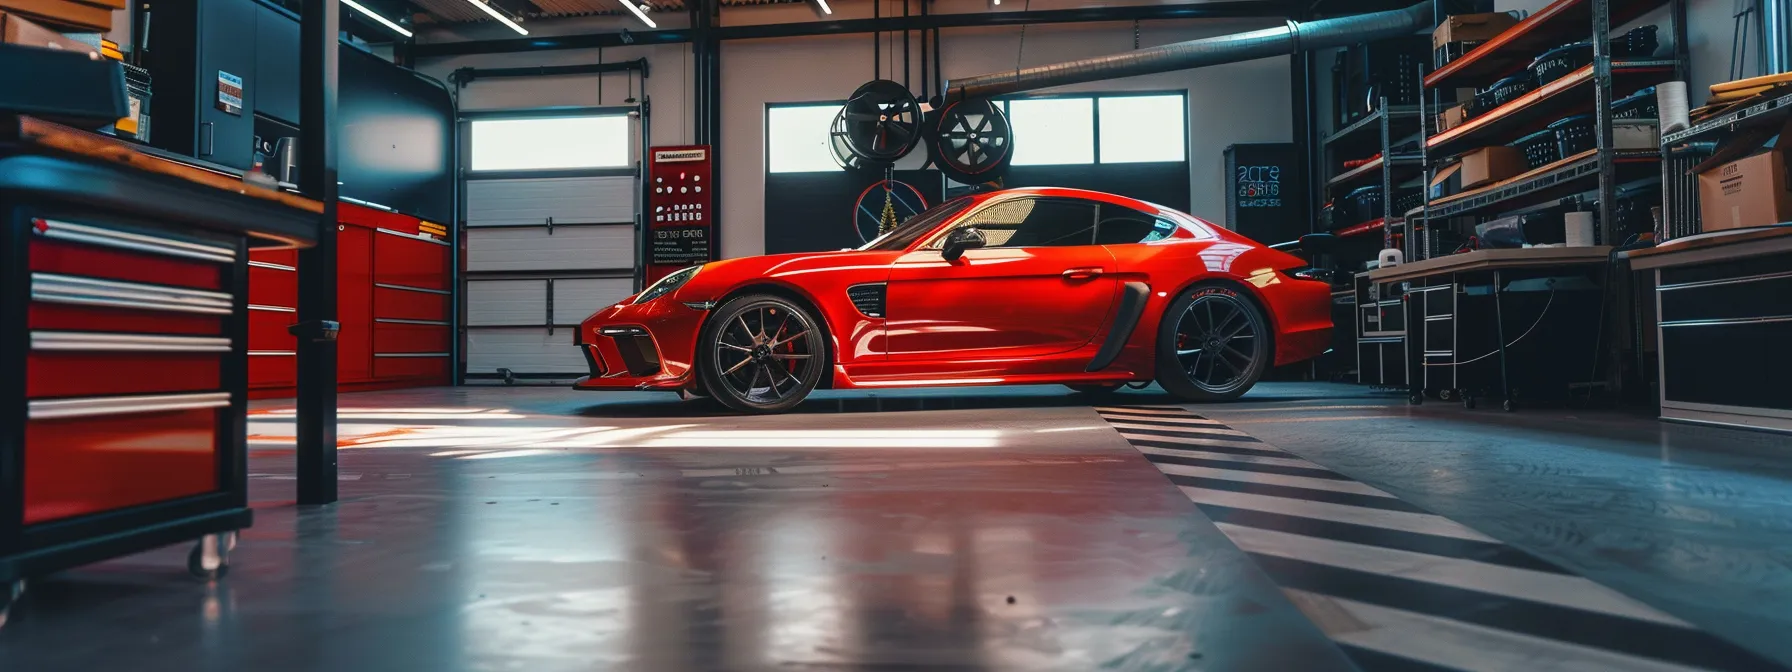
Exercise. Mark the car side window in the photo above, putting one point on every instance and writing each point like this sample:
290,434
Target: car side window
1036,222
1119,225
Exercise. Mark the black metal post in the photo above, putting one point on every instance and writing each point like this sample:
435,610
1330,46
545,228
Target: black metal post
1602,119
1304,133
318,26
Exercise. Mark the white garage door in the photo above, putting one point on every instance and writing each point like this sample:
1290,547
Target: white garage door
551,210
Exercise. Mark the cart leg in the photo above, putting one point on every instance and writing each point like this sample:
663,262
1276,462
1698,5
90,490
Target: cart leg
1499,323
210,558
8,596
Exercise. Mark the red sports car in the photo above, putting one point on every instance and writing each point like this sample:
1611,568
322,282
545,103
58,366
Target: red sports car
1022,286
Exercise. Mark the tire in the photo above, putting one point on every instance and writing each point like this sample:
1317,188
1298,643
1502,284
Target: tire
1216,317
782,344
1097,389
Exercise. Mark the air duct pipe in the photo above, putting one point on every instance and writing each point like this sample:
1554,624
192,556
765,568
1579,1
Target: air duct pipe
1776,24
1253,45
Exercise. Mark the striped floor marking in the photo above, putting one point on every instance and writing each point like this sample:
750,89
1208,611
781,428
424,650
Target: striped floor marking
1398,587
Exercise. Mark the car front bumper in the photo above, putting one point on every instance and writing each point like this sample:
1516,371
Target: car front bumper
640,347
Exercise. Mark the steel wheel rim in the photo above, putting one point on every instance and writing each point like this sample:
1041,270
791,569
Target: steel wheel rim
766,353
1216,343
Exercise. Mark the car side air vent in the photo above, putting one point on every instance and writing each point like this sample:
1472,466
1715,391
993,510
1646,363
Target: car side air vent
868,298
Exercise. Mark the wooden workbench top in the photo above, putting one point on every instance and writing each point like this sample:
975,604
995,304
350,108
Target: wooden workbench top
1712,247
48,135
1494,259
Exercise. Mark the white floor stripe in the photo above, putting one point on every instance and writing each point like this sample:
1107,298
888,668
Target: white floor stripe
1332,485
1248,459
1209,429
1198,441
1159,419
1459,645
1144,411
1422,523
1561,590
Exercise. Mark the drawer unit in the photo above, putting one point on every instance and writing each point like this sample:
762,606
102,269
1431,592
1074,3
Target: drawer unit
1722,328
91,455
111,253
410,303
409,260
390,337
409,365
72,363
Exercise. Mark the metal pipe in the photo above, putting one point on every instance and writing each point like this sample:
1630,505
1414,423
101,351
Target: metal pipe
1289,39
1776,23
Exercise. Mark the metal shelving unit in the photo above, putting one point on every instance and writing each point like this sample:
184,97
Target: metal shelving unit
1387,167
1684,150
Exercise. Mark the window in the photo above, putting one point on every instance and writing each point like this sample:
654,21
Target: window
796,138
1035,222
1052,131
914,227
551,143
1120,225
1137,129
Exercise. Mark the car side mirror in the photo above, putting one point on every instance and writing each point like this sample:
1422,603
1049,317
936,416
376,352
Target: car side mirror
959,240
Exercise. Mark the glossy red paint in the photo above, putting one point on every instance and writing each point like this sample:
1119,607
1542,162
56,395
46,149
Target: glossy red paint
1017,315
89,465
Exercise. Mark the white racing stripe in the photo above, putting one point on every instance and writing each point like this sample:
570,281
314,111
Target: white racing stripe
1455,644
1197,441
1561,590
1208,429
1247,459
1242,476
1161,419
1422,523
1144,411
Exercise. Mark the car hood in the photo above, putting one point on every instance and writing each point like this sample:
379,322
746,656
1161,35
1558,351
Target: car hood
719,277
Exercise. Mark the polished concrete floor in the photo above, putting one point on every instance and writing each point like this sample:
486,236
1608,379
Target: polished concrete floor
1307,527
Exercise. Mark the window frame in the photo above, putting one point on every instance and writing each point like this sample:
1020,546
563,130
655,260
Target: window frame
1094,98
467,117
1099,218
765,133
937,240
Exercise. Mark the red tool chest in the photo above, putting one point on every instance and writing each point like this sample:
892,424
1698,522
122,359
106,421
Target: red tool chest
393,293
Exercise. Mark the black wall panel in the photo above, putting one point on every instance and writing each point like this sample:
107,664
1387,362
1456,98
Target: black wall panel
396,137
277,66
813,212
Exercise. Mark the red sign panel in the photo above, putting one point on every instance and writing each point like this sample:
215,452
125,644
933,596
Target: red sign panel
680,209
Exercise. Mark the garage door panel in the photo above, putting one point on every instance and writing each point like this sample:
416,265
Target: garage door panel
566,249
507,302
523,351
569,200
575,300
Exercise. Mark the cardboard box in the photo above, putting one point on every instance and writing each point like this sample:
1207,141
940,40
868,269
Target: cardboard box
1452,117
1751,191
24,32
1447,182
1491,164
1471,28
63,14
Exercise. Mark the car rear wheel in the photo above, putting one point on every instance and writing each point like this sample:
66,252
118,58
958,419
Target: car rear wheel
761,354
1212,345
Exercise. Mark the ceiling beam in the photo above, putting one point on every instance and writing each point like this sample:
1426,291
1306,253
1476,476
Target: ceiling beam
1233,9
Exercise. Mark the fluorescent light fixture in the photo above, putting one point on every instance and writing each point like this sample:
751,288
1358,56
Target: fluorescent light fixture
383,20
639,14
498,15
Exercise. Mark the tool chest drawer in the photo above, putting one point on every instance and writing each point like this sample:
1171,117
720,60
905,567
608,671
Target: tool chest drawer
394,337
112,252
411,304
91,455
72,363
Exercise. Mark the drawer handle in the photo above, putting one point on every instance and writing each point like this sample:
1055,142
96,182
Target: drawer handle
407,288
85,341
54,409
273,266
411,354
107,237
413,236
56,288
398,320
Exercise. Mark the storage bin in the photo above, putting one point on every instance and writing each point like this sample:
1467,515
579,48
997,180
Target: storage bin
1503,91
1553,64
1540,149
1360,205
1637,42
1639,105
1574,134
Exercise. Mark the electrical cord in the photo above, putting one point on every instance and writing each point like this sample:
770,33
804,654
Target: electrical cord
1551,301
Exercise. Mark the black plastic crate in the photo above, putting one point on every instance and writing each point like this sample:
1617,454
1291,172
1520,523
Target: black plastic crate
1503,91
1540,148
1555,63
1360,205
1637,42
1574,134
1639,105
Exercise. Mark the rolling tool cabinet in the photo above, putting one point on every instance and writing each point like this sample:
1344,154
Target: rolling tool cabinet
123,333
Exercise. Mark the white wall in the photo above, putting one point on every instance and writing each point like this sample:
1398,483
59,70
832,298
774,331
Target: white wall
1237,103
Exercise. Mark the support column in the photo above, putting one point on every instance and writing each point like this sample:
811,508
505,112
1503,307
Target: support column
318,28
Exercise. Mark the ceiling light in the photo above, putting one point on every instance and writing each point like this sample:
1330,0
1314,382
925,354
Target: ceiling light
383,20
639,14
498,15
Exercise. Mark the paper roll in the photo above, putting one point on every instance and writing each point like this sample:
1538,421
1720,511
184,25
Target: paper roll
1578,229
1670,101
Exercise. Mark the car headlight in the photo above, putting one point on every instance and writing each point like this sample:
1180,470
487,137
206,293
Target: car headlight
667,285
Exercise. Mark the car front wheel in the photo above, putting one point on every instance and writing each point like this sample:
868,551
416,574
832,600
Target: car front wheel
761,354
1213,345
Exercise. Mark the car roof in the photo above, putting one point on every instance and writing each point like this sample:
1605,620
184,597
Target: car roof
1067,192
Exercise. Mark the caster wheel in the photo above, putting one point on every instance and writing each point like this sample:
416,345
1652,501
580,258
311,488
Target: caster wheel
1509,406
210,558
1446,394
8,597
1416,399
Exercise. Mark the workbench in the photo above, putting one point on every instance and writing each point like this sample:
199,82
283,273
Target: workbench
123,361
1498,322
1724,323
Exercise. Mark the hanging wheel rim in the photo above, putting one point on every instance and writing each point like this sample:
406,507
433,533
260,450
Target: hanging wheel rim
1216,343
765,353
882,121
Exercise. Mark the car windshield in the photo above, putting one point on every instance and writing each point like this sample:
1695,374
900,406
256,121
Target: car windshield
907,232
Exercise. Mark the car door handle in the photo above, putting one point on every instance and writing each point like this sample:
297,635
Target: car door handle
1082,273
